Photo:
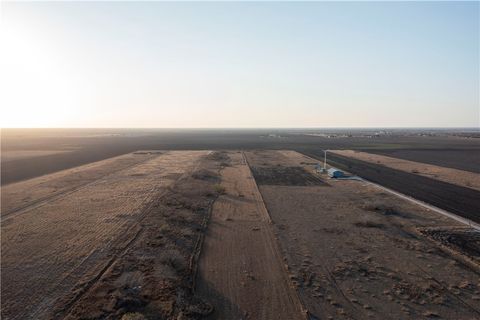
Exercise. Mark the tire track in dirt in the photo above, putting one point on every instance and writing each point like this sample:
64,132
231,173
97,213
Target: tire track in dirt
354,253
429,276
154,201
77,259
81,289
152,260
91,282
240,269
44,200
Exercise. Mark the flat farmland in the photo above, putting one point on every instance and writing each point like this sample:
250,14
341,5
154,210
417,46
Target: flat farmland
459,200
241,270
19,197
29,153
355,252
50,248
462,159
227,234
454,176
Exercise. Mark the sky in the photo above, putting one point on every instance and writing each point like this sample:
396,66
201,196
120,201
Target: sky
239,64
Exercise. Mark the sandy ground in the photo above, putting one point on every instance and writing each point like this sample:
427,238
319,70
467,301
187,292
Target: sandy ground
355,252
50,249
454,176
241,270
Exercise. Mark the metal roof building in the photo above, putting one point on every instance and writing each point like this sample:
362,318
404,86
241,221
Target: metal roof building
335,173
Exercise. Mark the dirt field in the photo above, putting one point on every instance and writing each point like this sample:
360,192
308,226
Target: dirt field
62,246
461,159
27,154
19,197
454,176
358,253
284,176
89,145
230,235
154,277
241,270
450,197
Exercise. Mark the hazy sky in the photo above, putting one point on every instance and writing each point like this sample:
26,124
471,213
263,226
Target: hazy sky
324,64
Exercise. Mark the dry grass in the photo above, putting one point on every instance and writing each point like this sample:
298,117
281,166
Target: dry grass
381,207
205,175
219,189
368,224
133,316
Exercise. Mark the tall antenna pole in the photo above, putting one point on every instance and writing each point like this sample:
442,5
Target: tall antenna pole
325,160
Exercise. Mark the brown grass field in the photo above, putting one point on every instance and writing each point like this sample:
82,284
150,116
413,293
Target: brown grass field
355,252
227,235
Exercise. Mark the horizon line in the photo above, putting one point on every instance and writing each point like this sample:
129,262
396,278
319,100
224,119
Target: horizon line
241,128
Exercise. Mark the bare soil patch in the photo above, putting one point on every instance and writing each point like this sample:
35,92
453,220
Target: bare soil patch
64,247
286,176
154,277
354,252
467,159
450,197
90,145
240,270
25,154
454,176
464,241
23,196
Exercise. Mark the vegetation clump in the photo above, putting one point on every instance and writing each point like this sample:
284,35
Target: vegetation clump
219,189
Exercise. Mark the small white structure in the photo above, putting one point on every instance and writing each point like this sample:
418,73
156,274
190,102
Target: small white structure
335,173
319,168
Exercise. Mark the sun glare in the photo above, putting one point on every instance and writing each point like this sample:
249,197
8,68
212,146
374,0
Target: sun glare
34,80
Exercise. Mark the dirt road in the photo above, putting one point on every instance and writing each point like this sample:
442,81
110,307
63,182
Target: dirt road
71,238
241,270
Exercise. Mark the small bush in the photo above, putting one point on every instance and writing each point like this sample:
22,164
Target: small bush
368,224
133,316
381,207
174,259
219,189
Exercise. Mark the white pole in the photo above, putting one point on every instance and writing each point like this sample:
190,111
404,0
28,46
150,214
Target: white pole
325,160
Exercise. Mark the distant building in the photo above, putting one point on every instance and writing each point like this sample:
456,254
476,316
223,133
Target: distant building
335,173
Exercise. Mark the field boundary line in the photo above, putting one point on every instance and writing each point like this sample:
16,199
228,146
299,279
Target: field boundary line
257,189
423,204
197,250
119,252
42,201
450,215
193,265
155,197
303,309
